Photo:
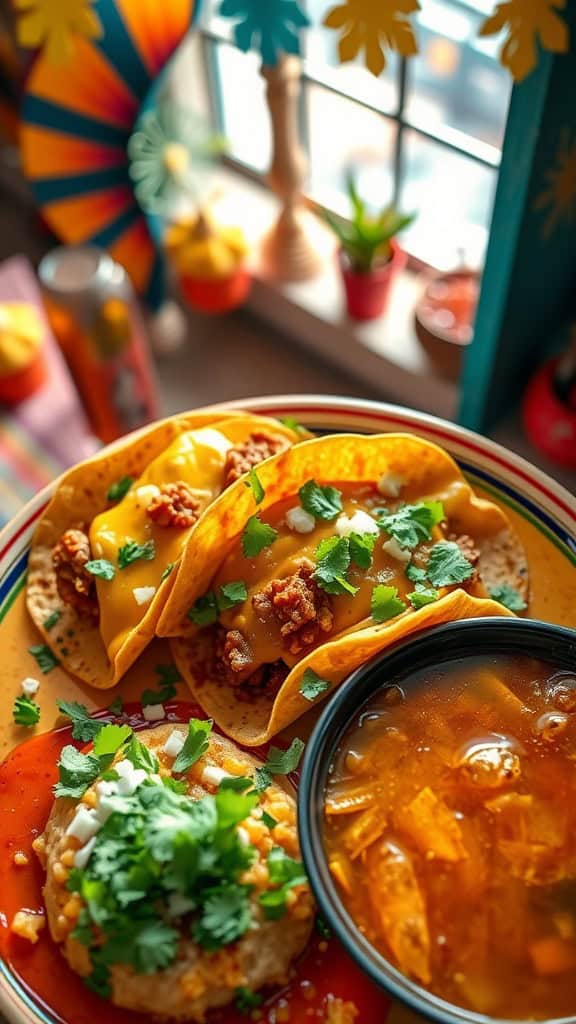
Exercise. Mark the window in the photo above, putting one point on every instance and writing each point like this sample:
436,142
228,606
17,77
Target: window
428,133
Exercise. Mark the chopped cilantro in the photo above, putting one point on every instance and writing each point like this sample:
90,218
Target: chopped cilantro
255,484
285,873
256,536
509,597
415,574
412,524
118,490
292,424
169,676
236,782
322,928
361,549
268,820
195,745
279,762
76,772
226,916
333,555
422,596
45,658
102,568
232,594
166,572
312,685
26,711
52,619
320,502
245,1000
110,738
141,756
447,565
115,707
133,552
84,727
204,611
385,603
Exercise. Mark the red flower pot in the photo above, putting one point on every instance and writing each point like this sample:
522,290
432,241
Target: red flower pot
216,295
549,424
15,387
367,292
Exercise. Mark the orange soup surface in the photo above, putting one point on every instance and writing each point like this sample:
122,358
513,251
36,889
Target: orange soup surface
450,827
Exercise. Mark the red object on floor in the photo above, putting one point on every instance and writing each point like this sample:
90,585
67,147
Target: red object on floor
549,423
19,386
367,293
217,295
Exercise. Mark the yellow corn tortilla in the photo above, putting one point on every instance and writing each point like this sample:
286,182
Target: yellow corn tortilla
99,654
426,472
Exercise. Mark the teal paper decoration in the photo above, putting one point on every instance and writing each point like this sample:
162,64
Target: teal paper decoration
272,27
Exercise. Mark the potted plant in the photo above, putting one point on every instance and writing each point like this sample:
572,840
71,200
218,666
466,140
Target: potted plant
370,257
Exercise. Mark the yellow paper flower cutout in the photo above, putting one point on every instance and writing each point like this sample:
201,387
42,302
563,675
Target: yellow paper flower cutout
558,198
527,22
372,27
52,25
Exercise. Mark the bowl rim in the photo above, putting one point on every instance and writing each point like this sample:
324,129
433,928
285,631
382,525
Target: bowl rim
498,635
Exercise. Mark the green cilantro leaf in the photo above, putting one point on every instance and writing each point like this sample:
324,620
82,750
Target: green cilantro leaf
292,424
132,552
245,1000
320,502
415,574
45,658
52,619
26,711
204,611
118,490
312,685
268,820
232,594
115,707
154,946
284,872
333,555
141,756
110,739
256,536
410,525
278,762
237,783
169,676
322,928
84,727
422,596
385,603
361,549
102,568
76,772
195,745
447,565
226,915
233,807
509,597
255,484
166,572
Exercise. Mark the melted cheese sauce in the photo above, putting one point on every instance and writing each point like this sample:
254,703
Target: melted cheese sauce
197,457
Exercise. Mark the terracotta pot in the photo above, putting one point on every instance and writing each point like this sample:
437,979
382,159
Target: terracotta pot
216,295
15,387
444,318
367,292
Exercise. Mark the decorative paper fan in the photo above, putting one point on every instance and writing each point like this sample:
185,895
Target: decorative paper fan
76,122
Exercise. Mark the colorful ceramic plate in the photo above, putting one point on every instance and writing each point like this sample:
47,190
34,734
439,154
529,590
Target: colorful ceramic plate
543,513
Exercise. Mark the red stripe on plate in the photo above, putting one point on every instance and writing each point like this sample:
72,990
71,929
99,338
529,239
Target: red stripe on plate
22,530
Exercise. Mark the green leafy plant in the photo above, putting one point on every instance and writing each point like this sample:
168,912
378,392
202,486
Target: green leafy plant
366,237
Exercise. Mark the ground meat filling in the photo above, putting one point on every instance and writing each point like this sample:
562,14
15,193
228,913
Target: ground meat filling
174,507
255,449
233,658
298,604
76,586
467,547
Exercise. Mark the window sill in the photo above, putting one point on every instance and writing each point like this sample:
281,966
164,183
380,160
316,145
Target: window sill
383,353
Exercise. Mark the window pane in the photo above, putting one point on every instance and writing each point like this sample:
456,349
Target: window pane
452,196
456,79
241,96
346,136
321,63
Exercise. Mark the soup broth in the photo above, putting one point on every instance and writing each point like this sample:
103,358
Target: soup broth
450,828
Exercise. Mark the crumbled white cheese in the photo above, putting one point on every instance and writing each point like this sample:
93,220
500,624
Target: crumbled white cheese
84,824
30,686
106,806
129,777
82,856
153,712
392,548
143,595
145,493
212,775
174,743
243,836
390,485
106,787
299,520
359,522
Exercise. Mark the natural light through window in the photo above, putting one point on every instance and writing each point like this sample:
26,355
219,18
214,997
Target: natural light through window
427,134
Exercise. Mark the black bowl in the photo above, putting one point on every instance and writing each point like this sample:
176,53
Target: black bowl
555,645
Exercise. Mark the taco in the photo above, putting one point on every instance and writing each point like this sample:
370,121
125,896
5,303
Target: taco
357,541
102,558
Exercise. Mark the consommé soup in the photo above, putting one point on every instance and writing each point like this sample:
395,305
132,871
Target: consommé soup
450,828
